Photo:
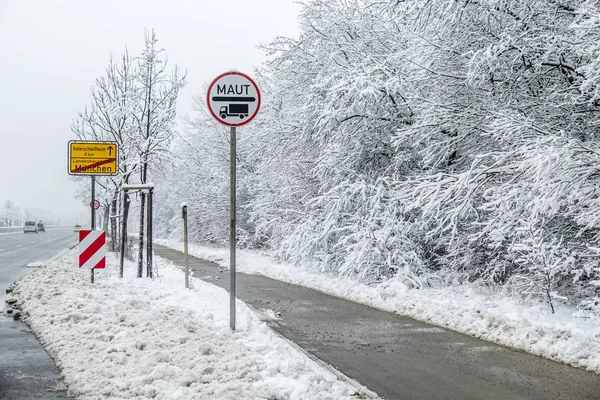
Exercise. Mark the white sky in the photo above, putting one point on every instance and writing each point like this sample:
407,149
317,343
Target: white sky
51,52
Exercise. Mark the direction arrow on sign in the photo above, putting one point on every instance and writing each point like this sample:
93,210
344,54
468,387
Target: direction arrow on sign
92,249
93,158
233,99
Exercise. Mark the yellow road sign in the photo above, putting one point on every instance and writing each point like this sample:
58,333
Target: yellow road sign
92,158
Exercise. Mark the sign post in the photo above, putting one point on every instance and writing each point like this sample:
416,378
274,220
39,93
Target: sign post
93,222
232,226
93,158
233,99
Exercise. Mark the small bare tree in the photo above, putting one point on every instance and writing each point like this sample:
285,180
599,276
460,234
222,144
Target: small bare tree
109,117
134,105
156,91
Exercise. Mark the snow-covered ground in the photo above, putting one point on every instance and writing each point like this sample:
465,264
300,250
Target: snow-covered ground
151,338
564,336
144,338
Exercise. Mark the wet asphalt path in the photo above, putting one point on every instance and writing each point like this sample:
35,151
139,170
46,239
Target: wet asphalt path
26,370
397,357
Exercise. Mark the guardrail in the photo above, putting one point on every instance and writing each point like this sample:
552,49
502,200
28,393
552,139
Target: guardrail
11,229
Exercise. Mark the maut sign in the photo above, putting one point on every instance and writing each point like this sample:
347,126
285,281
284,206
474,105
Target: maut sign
233,99
92,158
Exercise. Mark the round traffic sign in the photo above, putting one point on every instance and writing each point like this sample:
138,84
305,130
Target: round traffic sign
96,204
233,98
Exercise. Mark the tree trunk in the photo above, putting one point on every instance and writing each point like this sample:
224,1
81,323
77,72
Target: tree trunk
141,244
124,231
106,218
113,221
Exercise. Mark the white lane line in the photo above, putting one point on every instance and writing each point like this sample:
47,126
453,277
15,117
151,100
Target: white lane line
485,349
423,330
1,250
21,245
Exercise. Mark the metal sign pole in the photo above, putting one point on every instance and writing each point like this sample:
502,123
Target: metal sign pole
233,99
93,221
232,191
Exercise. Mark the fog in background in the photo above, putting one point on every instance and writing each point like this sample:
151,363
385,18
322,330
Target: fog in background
53,51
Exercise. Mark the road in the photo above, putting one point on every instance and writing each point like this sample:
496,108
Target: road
26,370
395,356
19,249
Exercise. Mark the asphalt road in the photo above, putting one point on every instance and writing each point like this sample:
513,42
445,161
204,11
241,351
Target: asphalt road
397,357
26,370
19,249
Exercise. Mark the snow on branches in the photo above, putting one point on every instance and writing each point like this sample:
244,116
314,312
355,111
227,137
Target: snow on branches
431,141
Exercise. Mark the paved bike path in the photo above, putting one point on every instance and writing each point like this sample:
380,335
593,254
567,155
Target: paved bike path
395,356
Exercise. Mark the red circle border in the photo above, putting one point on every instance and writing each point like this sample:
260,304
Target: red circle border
208,98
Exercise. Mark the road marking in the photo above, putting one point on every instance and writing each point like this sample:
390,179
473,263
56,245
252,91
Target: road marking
485,349
423,330
2,249
21,245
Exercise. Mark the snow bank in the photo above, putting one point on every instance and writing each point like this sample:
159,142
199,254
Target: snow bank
144,338
561,337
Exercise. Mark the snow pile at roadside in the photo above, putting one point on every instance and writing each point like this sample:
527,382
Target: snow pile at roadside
561,337
144,338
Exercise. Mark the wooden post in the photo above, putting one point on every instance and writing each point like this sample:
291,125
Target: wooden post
124,229
113,224
185,246
149,237
140,270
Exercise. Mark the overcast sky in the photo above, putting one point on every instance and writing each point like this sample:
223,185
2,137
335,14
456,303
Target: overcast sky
51,52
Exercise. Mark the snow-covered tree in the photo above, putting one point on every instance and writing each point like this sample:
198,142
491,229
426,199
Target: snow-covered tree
110,118
157,89
10,214
200,178
134,104
431,141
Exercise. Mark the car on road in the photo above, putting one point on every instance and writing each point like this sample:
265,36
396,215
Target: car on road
41,227
77,228
30,226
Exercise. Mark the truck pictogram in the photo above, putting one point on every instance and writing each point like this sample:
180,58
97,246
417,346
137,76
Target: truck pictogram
234,110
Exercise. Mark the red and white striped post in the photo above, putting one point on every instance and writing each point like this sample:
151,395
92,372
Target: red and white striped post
92,249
